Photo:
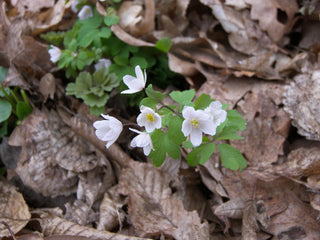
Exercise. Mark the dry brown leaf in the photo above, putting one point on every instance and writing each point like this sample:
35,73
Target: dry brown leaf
55,225
152,209
276,17
32,5
232,209
110,214
301,102
14,210
49,150
30,236
80,212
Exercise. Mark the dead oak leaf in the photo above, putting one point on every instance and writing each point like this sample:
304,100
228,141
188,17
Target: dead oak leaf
153,210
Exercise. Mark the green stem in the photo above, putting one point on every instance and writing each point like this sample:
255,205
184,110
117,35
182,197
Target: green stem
14,96
163,105
24,96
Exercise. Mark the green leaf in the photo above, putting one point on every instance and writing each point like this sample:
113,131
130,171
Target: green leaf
94,100
174,130
229,133
235,120
121,60
154,94
187,144
87,39
4,129
231,157
163,44
96,111
111,17
6,109
3,73
82,85
105,32
162,145
54,38
200,154
23,110
203,101
148,102
134,61
184,97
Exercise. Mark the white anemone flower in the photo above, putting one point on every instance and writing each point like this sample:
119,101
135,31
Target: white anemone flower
142,140
135,84
74,6
85,12
218,114
108,130
195,123
54,53
148,119
102,63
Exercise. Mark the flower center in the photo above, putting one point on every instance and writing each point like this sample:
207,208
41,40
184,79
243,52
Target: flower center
150,117
195,123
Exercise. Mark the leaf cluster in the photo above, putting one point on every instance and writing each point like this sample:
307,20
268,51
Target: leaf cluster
169,140
94,89
11,104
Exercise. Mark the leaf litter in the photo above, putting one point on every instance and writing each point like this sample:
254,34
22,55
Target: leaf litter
260,57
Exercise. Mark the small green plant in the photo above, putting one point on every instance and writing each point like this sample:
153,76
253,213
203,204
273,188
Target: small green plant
190,128
90,40
93,89
11,103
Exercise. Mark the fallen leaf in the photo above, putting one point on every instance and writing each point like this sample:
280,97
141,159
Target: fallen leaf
14,210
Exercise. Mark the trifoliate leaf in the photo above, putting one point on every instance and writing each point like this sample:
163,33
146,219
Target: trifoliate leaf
6,109
200,154
162,144
65,59
163,44
184,97
23,110
235,120
174,130
203,101
96,111
111,17
231,157
110,82
94,100
154,94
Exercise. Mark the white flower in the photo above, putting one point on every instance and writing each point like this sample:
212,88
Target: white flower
85,12
102,63
108,130
54,53
218,114
148,119
197,122
74,6
142,140
135,84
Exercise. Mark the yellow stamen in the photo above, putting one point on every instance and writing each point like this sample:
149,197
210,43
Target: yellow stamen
195,123
150,117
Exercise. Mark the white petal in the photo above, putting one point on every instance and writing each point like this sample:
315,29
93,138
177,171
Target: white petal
196,137
208,127
139,73
186,127
85,12
187,112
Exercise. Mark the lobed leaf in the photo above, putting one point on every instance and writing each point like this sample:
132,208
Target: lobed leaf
231,157
200,154
184,97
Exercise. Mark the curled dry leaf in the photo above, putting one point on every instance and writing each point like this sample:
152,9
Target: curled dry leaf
54,225
152,209
231,209
47,86
14,210
32,5
80,212
301,100
110,215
